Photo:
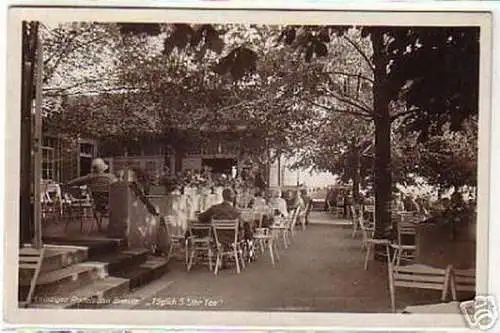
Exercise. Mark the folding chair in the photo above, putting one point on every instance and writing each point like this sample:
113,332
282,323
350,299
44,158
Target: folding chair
285,229
462,280
266,237
227,242
404,250
199,242
339,207
369,242
30,261
419,277
293,221
79,200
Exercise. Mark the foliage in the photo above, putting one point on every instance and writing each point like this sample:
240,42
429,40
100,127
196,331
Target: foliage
450,160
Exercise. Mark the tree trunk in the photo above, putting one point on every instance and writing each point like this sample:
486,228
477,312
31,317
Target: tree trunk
382,170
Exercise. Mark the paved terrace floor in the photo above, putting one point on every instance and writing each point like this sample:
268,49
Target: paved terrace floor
321,271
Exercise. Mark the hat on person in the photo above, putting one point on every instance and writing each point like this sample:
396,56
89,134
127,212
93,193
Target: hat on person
99,165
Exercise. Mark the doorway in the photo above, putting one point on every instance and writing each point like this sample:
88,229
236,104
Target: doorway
220,165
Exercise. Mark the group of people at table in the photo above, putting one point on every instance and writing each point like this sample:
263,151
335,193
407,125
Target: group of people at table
254,208
200,201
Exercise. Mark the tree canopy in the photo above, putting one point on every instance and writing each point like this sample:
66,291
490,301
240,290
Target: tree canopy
322,92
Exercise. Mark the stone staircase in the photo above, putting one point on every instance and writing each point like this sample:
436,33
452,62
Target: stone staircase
90,273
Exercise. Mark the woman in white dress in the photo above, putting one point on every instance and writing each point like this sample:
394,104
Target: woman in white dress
179,211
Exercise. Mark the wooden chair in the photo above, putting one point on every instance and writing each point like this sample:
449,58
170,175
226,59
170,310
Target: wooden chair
227,242
369,210
369,242
417,276
266,237
293,220
79,202
199,242
286,228
52,201
100,208
30,262
404,250
462,280
339,207
178,240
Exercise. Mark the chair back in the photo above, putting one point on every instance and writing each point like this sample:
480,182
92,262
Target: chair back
404,228
247,214
369,210
464,279
230,228
420,276
294,218
175,228
30,260
199,230
100,183
354,214
367,227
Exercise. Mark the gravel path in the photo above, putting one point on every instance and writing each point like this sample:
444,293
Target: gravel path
321,271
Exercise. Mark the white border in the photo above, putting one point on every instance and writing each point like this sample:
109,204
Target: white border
241,319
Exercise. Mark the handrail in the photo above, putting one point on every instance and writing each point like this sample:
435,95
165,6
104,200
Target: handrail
144,199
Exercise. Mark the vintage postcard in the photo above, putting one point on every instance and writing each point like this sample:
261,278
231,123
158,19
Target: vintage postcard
248,168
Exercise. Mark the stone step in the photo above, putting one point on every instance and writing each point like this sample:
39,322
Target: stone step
96,246
121,260
98,294
57,258
68,278
60,256
140,275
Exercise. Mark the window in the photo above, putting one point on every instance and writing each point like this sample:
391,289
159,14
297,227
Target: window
152,148
86,149
48,163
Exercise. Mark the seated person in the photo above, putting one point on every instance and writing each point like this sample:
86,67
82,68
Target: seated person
222,211
278,203
258,200
260,205
99,182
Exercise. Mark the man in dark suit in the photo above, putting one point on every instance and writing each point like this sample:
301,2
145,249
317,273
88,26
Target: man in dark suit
222,211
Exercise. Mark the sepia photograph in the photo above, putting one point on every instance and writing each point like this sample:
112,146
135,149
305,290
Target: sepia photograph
210,163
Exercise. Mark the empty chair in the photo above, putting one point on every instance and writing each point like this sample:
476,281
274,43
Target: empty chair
199,243
462,280
285,229
419,277
405,248
30,263
339,207
178,240
266,238
369,241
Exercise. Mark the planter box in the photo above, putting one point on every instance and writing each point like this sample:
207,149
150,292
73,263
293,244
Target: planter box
439,246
